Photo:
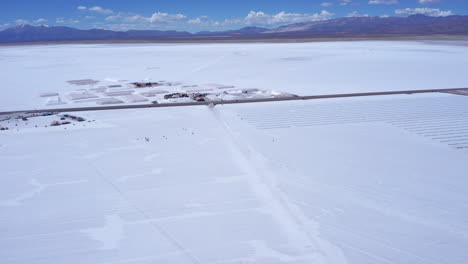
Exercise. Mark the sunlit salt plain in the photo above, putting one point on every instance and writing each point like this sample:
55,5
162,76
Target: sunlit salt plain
358,180
305,69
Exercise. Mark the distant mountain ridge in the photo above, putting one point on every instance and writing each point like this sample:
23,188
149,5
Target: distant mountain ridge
415,25
374,26
28,33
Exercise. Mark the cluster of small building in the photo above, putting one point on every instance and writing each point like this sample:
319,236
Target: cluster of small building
74,118
66,119
59,123
199,97
140,92
83,82
175,95
144,84
29,120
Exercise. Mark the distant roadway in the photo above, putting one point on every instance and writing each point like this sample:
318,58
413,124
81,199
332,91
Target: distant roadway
221,102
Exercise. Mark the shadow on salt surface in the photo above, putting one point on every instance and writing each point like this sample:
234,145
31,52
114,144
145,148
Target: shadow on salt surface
118,235
295,58
232,235
152,173
262,252
152,157
428,50
179,199
109,241
111,151
37,189
15,201
167,165
110,235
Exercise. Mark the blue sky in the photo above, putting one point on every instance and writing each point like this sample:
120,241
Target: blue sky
208,14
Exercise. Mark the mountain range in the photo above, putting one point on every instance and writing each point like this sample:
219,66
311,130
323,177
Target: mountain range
415,25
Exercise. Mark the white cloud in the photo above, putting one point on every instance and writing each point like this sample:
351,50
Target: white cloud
96,9
326,4
137,18
383,2
195,21
127,17
425,2
40,20
101,10
434,12
21,21
162,20
198,21
61,20
356,14
261,18
158,18
166,18
180,21
345,2
24,21
113,18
